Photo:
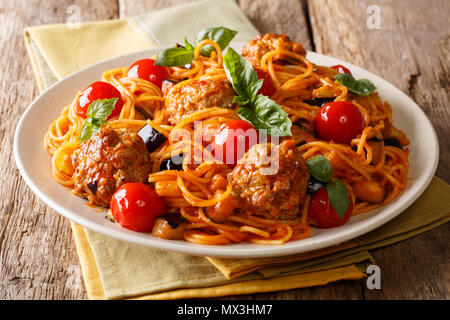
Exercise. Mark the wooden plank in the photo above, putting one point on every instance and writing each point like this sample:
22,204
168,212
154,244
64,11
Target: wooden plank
342,290
37,256
283,16
411,50
418,268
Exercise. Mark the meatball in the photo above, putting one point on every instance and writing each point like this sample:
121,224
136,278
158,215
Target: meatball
254,50
167,85
270,181
198,95
111,158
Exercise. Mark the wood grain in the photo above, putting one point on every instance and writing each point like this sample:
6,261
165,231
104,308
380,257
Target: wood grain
342,290
37,256
411,50
418,268
290,16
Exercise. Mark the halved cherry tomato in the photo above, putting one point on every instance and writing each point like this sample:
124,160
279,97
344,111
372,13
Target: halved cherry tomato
145,69
339,121
232,140
268,88
322,213
97,91
135,206
341,69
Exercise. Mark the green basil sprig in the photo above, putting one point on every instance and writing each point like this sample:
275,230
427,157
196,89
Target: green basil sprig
222,36
259,110
361,87
175,57
180,56
320,168
96,115
338,195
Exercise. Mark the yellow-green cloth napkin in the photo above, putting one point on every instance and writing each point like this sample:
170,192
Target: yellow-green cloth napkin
113,269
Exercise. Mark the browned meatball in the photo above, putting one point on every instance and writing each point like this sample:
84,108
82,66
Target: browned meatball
198,95
167,85
108,160
277,195
254,50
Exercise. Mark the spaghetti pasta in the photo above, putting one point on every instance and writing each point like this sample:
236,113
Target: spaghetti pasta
190,192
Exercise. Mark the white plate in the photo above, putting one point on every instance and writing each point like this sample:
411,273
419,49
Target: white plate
34,164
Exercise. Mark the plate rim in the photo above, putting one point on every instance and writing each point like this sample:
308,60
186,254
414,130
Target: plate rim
214,251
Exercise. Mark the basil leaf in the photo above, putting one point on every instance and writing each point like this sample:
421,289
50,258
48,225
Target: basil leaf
86,132
253,89
180,56
362,87
175,57
96,128
221,35
252,92
249,115
240,100
240,73
259,110
320,168
101,109
96,115
338,195
187,45
265,114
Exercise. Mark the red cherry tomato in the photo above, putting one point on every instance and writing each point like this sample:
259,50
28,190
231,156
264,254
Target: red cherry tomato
322,212
341,69
96,91
135,206
145,69
233,139
340,121
268,88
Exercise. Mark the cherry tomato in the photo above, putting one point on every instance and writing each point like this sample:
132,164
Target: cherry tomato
233,139
96,91
341,69
322,212
339,121
145,69
268,88
135,206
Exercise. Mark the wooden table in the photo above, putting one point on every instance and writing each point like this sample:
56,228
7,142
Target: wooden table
411,50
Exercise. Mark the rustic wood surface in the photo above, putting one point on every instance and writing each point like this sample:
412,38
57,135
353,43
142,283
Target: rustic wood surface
411,50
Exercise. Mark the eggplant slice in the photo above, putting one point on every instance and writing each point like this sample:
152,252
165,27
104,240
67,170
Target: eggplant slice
174,163
169,227
153,138
319,102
